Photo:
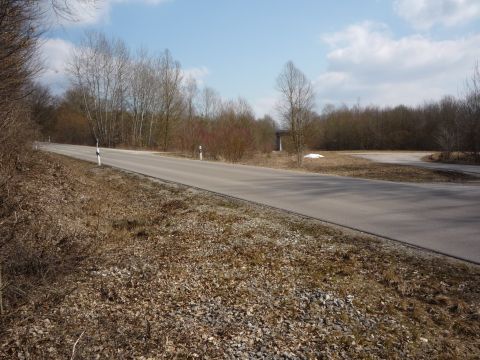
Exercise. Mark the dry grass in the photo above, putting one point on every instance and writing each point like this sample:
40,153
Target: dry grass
38,239
341,164
338,163
178,273
454,158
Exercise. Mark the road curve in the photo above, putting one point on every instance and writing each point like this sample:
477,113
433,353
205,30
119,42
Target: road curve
440,217
415,159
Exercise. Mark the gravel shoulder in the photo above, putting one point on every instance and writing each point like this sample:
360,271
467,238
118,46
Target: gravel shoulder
174,272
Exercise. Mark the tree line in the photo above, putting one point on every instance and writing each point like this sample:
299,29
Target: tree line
449,125
134,99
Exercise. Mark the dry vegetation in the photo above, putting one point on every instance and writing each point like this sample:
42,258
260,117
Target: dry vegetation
454,158
132,268
338,163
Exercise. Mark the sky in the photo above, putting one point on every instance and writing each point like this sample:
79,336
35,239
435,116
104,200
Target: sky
382,52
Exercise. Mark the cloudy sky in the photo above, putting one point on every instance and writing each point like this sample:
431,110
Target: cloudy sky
383,52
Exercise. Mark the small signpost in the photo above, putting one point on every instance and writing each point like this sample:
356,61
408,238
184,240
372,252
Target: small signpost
98,155
200,153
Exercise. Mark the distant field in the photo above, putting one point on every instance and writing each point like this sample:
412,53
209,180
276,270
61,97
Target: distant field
170,272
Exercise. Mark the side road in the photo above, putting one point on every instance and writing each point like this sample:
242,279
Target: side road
415,159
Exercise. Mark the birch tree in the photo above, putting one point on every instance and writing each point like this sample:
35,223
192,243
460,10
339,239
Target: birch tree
99,68
142,92
169,96
188,137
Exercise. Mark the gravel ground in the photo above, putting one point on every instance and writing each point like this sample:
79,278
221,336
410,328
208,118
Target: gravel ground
172,272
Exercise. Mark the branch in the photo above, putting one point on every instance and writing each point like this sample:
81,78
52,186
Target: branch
75,345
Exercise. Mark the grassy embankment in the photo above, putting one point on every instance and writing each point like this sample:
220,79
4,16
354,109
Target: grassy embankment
162,271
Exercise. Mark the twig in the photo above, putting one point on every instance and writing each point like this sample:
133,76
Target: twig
75,345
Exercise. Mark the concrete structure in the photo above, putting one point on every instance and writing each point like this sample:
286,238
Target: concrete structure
279,134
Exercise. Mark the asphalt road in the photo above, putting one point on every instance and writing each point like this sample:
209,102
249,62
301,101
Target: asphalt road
440,217
415,159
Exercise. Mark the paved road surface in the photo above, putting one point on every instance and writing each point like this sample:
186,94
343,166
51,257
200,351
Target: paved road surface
415,159
440,217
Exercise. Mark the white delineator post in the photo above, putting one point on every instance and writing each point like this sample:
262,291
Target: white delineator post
98,156
200,153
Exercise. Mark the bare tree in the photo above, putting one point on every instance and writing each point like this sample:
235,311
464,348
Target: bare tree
18,43
296,105
209,103
142,92
234,130
170,99
190,94
188,139
42,105
21,24
265,134
99,68
471,114
448,115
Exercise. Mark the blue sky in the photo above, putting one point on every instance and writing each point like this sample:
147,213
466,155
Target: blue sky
381,52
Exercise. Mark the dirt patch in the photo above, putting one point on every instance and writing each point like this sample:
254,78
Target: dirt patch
178,273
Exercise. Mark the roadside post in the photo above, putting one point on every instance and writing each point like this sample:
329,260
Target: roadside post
200,153
98,155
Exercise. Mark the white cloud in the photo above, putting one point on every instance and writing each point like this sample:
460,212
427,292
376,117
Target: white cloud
265,106
367,63
55,54
197,73
424,14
